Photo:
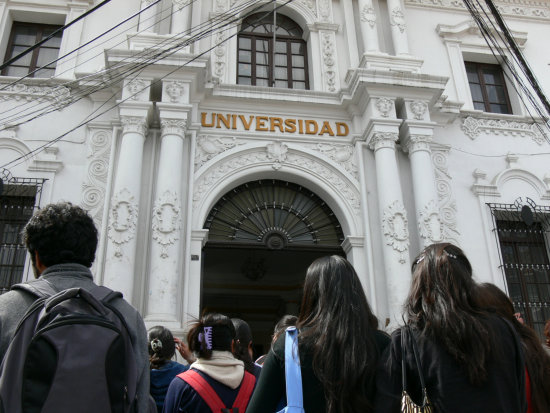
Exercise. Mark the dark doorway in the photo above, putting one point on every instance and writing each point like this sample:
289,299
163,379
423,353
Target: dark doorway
263,236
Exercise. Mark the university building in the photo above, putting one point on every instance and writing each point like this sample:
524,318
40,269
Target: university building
222,145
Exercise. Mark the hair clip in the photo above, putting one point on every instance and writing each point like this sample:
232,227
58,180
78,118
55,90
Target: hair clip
156,345
450,255
206,338
419,260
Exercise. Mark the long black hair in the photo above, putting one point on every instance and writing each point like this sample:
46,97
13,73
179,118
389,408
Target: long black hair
243,340
161,346
442,306
212,332
336,324
536,358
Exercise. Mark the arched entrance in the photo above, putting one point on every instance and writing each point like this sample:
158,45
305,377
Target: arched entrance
262,237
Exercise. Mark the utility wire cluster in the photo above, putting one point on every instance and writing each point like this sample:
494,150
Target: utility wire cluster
132,66
501,42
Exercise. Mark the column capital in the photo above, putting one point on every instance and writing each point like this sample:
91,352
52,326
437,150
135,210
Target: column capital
415,143
173,127
379,140
136,124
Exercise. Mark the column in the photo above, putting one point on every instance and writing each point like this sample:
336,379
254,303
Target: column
369,30
398,27
416,135
72,38
192,288
120,258
351,34
167,241
181,10
394,228
148,18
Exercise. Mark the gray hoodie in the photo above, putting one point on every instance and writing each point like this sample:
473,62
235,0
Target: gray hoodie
14,304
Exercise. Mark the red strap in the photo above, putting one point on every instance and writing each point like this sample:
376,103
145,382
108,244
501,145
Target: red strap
201,386
247,386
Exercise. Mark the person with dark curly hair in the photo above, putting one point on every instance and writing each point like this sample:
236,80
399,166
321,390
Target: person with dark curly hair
62,240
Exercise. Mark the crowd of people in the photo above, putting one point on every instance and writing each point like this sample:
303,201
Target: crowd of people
461,348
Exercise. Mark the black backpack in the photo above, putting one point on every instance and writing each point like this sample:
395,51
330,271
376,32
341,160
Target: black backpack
71,352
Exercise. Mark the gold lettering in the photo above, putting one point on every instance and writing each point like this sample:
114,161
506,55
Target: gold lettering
234,117
276,123
245,124
290,125
345,127
326,129
203,120
300,126
226,121
260,123
311,123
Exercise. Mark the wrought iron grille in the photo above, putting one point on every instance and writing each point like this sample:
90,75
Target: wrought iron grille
18,200
522,232
274,214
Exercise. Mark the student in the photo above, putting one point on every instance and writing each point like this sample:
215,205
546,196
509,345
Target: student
243,346
471,360
281,326
212,339
61,240
162,347
339,345
537,360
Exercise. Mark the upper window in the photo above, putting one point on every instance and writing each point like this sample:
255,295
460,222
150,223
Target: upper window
488,88
25,35
265,61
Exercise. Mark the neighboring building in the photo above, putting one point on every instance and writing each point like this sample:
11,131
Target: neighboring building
218,173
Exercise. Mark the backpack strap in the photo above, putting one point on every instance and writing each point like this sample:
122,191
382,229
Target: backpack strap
293,373
40,288
104,294
243,397
201,386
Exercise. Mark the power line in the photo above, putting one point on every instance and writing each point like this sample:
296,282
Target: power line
58,138
61,29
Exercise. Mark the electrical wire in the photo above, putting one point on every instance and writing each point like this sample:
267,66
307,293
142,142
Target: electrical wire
40,148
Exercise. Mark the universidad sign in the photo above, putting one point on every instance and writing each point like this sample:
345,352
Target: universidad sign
273,124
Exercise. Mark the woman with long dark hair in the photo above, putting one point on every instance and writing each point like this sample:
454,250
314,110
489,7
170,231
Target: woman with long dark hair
471,360
338,343
537,360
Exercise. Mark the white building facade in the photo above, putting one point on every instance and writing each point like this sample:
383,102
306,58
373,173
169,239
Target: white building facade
218,168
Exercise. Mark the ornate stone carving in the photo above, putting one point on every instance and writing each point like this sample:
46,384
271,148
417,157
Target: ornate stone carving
346,192
368,15
383,140
329,61
180,4
58,96
516,8
173,127
123,220
219,53
221,5
135,88
277,152
94,186
397,18
166,221
210,146
419,109
446,201
343,154
311,5
430,226
395,227
174,90
134,124
384,107
473,127
325,10
419,143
